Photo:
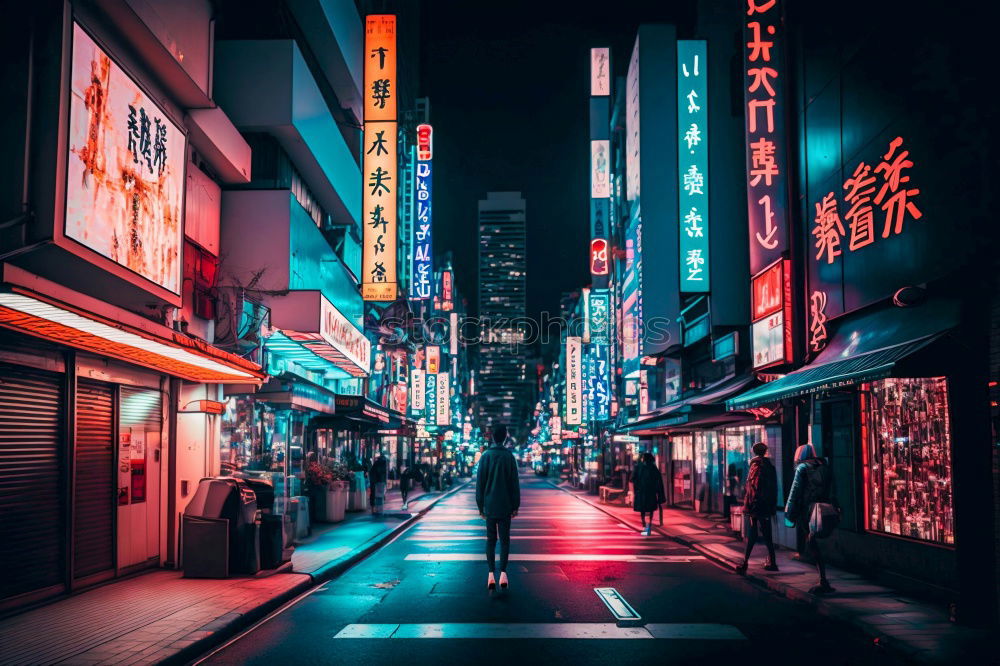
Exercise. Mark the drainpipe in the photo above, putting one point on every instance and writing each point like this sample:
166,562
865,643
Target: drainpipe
171,556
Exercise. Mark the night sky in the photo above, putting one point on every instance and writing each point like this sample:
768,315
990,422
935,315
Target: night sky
508,84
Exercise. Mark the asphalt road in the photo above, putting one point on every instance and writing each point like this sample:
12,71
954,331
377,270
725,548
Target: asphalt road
422,599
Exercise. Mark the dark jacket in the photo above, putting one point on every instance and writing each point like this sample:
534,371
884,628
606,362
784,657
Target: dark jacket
379,471
761,496
498,492
811,484
406,481
647,487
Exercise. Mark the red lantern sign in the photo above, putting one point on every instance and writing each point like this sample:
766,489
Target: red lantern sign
599,256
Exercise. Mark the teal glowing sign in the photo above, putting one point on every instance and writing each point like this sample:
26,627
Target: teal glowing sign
692,164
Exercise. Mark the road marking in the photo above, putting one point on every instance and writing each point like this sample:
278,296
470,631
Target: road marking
561,630
553,557
621,610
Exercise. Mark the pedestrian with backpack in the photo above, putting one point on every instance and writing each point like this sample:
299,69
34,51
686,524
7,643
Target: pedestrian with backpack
811,509
759,503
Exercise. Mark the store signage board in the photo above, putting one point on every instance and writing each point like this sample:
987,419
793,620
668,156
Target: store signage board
600,169
766,136
380,174
724,347
692,164
600,71
125,170
574,381
599,310
599,256
601,371
453,334
433,359
431,401
417,389
344,336
425,142
632,126
422,287
443,399
771,330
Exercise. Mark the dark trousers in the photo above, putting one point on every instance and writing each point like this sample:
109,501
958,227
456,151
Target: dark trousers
493,526
764,525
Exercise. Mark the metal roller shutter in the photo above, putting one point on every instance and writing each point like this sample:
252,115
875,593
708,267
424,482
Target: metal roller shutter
140,408
31,552
94,496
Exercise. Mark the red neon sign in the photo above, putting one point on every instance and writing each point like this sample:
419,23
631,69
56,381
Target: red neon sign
767,289
424,142
599,256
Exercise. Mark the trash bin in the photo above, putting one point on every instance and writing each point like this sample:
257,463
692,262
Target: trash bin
222,511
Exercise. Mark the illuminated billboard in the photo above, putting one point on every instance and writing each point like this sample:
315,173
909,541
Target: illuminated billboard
125,175
378,279
600,169
771,307
574,381
422,282
600,71
692,164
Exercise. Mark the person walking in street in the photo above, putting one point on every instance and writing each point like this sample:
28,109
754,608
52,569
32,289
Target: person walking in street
647,490
404,486
811,484
759,504
498,496
378,476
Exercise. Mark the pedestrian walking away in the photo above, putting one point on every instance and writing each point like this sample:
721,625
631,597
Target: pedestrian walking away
379,474
759,506
498,496
810,486
647,490
405,478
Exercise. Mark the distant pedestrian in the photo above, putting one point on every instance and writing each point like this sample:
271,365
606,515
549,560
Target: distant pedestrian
378,475
498,496
405,479
811,485
759,504
647,490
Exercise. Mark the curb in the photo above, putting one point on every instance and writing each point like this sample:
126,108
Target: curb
338,566
201,647
794,594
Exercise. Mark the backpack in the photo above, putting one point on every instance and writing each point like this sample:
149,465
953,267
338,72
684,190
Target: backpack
823,519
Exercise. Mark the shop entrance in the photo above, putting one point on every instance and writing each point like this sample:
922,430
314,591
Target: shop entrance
139,428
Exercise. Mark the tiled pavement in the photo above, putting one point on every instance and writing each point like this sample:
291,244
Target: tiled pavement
919,630
163,617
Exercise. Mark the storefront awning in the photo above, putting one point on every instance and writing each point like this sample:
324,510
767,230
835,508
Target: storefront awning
863,348
671,415
315,327
177,355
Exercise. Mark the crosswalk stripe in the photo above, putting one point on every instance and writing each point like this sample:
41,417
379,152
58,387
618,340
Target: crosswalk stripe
551,630
554,557
556,537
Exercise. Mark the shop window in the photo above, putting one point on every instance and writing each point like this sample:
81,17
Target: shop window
907,458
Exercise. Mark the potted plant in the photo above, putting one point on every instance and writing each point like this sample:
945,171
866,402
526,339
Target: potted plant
336,496
318,478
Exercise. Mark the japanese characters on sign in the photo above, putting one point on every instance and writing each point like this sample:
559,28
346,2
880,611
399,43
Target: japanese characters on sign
771,307
600,71
632,300
599,382
125,171
600,169
443,399
378,280
692,164
417,390
453,334
858,228
817,321
447,302
422,282
767,193
574,381
599,307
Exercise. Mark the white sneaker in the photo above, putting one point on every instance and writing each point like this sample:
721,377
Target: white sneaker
503,580
491,582
649,530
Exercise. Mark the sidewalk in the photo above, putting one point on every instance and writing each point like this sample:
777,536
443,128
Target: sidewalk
161,616
918,630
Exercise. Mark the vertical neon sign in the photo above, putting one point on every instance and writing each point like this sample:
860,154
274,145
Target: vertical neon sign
378,280
692,164
423,248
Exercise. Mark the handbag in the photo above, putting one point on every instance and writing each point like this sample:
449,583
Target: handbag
824,519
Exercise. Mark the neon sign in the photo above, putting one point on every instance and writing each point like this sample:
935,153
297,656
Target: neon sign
599,256
692,164
767,189
771,305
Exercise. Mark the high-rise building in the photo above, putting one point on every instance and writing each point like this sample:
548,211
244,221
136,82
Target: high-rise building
502,277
